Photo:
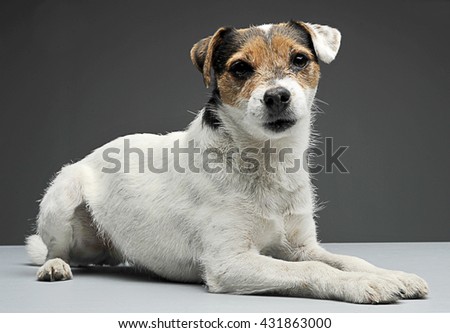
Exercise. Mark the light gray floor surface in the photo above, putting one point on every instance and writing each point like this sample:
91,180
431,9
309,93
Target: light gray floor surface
121,289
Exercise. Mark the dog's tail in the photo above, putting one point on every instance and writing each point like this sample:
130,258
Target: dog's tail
36,249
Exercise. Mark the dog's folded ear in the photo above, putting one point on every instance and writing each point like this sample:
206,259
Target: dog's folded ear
202,53
326,40
198,53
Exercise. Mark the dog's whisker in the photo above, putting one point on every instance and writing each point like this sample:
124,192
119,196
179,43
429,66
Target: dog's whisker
320,101
192,112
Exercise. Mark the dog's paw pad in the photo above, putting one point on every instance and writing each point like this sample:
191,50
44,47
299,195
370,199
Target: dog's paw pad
54,270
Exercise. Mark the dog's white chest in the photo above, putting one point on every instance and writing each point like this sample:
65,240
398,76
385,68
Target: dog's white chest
275,199
269,234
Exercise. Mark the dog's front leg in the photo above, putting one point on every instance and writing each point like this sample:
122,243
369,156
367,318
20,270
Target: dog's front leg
232,264
308,249
414,286
251,273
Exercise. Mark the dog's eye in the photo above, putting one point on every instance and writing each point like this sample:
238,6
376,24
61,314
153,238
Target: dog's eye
241,69
299,60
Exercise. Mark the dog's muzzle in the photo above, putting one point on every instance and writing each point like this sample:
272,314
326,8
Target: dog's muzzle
277,100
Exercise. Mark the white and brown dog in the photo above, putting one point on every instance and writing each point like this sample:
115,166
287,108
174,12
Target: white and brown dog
239,230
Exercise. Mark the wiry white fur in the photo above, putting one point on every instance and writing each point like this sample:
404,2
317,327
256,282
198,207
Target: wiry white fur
239,233
36,249
265,27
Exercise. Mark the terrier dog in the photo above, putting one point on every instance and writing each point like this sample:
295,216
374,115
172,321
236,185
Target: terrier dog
241,229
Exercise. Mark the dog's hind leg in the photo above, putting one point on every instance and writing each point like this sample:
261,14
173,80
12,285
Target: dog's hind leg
52,245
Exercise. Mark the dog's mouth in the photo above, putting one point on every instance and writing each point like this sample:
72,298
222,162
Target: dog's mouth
280,125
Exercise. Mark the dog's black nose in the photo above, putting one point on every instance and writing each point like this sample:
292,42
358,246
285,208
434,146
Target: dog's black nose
277,99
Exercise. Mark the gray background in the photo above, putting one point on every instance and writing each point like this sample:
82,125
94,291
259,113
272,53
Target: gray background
76,74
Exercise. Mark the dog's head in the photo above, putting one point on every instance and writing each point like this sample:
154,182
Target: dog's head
265,77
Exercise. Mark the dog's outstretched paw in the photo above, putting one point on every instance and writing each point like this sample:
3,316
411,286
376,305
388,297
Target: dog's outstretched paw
374,289
54,270
415,286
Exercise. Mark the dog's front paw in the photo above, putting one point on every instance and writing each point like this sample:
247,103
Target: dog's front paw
414,286
54,270
366,288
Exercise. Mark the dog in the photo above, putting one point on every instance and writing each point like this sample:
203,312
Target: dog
239,229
